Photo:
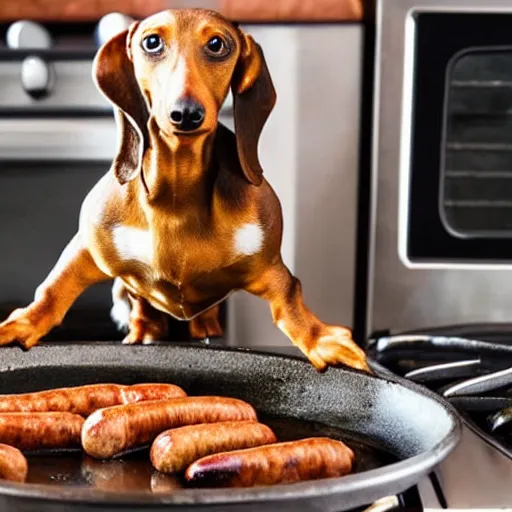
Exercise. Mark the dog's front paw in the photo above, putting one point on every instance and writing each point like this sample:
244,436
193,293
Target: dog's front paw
206,325
137,338
18,328
334,346
145,332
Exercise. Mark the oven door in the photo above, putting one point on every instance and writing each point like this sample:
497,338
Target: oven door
457,179
47,167
441,246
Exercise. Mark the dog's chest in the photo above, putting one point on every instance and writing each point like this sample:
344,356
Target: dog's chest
133,244
175,256
184,275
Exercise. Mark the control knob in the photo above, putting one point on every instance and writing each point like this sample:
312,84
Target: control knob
110,25
37,75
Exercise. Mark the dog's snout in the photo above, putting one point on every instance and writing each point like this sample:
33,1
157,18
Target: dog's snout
187,115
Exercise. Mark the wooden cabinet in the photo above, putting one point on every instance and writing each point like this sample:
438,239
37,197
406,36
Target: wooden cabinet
240,10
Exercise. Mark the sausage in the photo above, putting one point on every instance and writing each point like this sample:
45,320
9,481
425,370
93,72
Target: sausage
146,392
40,430
13,464
115,430
84,400
287,462
173,450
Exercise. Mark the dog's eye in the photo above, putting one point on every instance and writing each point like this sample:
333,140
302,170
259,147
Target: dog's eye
215,44
216,47
153,44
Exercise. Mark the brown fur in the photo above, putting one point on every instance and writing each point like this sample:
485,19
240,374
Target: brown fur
190,193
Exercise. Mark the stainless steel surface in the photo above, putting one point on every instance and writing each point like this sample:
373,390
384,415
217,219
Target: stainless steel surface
474,476
403,294
48,164
309,152
39,210
73,87
58,139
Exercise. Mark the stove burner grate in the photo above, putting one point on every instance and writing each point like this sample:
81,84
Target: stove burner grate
474,375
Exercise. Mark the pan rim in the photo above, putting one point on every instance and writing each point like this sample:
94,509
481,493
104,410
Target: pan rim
389,475
282,492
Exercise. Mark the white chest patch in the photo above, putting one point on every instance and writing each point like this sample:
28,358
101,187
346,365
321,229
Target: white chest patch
133,244
248,239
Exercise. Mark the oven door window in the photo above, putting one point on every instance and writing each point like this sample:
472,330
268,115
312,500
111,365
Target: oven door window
39,208
460,181
476,180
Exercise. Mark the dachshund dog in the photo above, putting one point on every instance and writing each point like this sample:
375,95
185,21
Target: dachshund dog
184,216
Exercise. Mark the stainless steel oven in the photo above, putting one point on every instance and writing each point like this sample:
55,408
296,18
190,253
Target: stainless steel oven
57,137
441,217
440,253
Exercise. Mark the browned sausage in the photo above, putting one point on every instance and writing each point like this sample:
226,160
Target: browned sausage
84,400
173,450
40,430
13,464
293,461
114,430
146,392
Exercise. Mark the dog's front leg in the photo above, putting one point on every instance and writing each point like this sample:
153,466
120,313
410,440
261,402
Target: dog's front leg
146,323
206,325
323,344
74,271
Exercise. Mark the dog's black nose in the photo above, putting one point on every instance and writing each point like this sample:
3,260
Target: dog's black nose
187,115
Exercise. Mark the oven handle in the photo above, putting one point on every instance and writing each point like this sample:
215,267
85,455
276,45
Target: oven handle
93,139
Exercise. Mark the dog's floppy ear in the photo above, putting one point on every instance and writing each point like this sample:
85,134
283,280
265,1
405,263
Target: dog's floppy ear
254,98
114,75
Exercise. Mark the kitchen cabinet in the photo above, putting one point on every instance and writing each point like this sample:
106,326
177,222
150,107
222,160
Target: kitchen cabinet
241,10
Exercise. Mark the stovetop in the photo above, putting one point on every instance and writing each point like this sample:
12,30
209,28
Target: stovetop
471,367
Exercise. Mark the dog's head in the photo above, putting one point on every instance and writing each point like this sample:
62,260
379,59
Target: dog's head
177,67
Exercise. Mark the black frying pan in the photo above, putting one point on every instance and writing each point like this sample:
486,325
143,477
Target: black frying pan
398,430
